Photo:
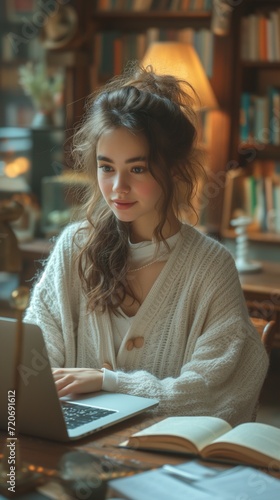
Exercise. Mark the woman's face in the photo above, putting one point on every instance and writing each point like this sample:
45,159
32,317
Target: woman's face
125,181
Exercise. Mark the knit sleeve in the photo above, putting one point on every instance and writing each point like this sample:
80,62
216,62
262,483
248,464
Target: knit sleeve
226,369
226,385
51,303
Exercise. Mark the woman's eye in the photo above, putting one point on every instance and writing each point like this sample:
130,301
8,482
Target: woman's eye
138,170
105,168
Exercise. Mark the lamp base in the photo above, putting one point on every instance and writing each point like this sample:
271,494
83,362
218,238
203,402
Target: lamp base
248,266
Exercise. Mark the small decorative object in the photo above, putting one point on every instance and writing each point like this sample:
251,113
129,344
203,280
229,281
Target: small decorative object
273,220
221,17
25,227
45,91
61,27
10,257
243,263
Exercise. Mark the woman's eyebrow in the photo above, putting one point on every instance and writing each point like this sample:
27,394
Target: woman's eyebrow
129,160
136,158
104,158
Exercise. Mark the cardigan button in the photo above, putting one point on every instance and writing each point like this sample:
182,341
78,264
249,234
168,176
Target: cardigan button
138,342
129,345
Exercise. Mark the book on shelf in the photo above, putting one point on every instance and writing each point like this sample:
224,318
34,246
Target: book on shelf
246,114
260,209
275,215
244,33
140,5
258,195
268,190
192,6
274,114
260,117
212,438
19,10
263,40
275,28
253,37
250,196
175,5
260,36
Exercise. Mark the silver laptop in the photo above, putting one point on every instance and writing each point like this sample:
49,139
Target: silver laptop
39,410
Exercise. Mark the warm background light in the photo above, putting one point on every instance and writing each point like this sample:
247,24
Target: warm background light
182,61
18,166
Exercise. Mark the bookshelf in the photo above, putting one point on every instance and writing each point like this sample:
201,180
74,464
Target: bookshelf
18,44
81,61
125,35
253,182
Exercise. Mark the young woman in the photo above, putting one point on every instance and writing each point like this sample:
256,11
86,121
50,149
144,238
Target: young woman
133,300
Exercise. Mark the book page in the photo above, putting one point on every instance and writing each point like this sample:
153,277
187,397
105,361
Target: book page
199,431
242,483
157,485
260,439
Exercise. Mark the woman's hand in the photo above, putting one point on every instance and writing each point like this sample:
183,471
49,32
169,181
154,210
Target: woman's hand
77,380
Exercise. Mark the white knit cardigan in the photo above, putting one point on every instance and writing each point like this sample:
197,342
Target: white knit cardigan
201,354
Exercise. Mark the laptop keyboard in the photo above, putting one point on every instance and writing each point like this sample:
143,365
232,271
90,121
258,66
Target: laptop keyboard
76,415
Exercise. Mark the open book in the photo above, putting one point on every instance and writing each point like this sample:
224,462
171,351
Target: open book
212,438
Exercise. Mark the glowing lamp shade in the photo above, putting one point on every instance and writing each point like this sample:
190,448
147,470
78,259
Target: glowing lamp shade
181,60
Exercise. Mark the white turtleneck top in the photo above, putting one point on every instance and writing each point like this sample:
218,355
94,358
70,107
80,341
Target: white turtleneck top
141,254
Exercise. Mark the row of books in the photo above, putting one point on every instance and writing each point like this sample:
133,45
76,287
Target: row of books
17,113
14,47
262,202
158,5
113,49
18,10
260,37
260,117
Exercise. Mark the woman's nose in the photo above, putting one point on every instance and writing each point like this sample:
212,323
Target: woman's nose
120,184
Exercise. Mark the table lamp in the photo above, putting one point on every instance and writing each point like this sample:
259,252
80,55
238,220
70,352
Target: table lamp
181,60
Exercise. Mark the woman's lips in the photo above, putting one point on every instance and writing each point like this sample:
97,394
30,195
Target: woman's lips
123,205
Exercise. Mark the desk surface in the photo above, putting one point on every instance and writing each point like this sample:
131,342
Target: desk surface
266,281
47,454
105,442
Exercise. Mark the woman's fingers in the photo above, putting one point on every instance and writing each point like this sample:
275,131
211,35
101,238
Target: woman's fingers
77,380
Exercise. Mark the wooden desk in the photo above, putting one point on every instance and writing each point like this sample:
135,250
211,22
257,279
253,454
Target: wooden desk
47,454
262,294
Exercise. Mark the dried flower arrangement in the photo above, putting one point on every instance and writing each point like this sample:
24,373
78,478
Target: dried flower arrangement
44,89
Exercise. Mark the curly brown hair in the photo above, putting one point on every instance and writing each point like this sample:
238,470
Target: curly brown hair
161,108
